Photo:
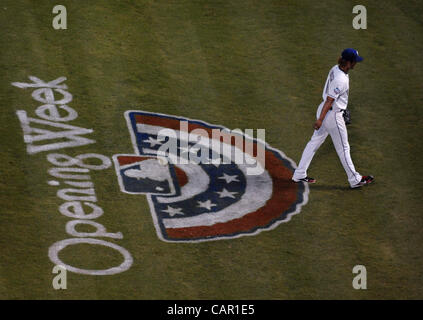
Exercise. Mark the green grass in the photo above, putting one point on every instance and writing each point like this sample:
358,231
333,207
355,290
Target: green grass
241,64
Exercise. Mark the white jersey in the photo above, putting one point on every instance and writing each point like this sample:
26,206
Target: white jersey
337,87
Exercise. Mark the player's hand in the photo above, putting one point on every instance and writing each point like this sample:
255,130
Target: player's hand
317,124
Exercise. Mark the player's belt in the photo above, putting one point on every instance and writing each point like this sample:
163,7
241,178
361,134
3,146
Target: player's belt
341,110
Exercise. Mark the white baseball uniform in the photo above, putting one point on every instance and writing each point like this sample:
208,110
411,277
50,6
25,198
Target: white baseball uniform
337,87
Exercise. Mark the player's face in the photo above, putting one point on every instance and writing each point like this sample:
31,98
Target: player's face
352,64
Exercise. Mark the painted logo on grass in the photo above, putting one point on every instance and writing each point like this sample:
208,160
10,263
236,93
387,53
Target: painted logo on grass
205,182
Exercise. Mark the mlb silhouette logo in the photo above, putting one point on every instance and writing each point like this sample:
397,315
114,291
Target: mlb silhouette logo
145,175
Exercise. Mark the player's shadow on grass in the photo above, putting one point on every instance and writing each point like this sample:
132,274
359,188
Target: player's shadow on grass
325,187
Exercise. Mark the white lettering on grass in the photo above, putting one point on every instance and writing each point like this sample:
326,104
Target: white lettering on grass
49,131
55,249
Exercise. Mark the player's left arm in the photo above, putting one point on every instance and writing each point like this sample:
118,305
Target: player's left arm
328,103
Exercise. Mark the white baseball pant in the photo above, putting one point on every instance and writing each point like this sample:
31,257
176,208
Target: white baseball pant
334,125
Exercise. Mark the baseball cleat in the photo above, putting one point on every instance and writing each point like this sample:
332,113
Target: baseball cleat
306,179
365,180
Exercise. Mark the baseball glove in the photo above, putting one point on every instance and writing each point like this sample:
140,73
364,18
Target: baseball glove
347,116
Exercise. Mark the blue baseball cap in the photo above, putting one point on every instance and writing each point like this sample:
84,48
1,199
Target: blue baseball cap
351,54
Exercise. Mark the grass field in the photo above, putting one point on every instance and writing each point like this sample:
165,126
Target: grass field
239,64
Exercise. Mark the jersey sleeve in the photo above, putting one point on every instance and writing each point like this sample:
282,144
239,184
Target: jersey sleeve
336,87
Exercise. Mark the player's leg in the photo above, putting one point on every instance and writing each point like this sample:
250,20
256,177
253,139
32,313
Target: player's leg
338,132
315,142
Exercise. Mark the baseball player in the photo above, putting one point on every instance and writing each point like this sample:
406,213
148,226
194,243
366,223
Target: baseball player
330,121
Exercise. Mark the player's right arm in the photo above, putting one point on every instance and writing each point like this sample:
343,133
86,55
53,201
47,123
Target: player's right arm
328,103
